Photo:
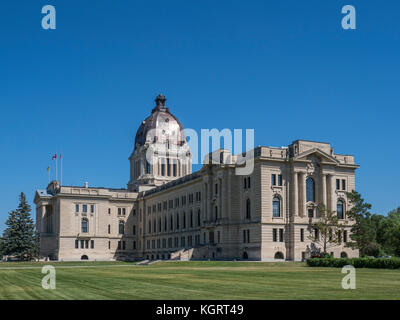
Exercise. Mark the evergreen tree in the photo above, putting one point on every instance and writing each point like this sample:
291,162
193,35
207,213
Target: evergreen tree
363,232
20,238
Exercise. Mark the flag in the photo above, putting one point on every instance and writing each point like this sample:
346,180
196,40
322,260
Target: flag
48,169
60,156
54,157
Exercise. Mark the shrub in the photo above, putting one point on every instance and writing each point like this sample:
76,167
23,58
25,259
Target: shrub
386,263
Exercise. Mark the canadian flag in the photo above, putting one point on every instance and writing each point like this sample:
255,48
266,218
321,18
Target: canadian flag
54,157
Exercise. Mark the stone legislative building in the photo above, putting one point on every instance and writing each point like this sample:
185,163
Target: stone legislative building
169,212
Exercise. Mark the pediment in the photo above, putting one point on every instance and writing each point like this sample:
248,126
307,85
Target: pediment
316,155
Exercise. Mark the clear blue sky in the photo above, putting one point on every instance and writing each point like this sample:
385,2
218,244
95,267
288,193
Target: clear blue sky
285,68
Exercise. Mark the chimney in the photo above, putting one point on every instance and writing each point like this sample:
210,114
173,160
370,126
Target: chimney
86,185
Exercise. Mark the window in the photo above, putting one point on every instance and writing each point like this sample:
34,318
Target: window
91,244
184,220
123,245
174,169
134,245
216,212
82,244
168,168
216,188
109,245
274,235
149,225
345,236
77,208
316,235
86,244
246,236
162,168
245,183
337,184
92,208
119,245
279,180
191,219
119,211
248,182
302,235
273,179
177,221
123,211
276,207
121,227
280,235
248,211
109,210
310,189
147,167
109,229
84,226
218,236
84,208
198,218
134,230
310,213
343,184
339,209
76,244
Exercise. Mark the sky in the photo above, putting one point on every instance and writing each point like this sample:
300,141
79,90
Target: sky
286,69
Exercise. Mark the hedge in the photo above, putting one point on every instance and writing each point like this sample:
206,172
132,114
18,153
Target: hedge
384,263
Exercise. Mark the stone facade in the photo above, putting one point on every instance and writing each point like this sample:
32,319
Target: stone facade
209,214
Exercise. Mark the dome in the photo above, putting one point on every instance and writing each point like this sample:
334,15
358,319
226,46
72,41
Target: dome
160,126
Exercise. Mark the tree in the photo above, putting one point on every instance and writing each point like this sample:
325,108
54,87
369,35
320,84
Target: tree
327,229
388,232
20,237
363,232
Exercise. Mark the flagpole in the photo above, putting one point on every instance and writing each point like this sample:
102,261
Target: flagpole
56,169
48,171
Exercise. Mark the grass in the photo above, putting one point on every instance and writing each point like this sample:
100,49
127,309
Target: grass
194,280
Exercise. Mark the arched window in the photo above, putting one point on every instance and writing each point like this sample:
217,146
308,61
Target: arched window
279,255
84,226
276,207
121,227
310,189
248,211
343,254
340,209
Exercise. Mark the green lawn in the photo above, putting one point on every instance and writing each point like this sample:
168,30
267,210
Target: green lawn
193,280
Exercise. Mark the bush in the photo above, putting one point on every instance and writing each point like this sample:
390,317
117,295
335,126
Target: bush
386,263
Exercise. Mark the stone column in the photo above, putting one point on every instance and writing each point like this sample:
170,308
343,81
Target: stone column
303,195
295,195
332,193
324,192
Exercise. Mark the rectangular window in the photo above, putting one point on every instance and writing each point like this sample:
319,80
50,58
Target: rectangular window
168,168
248,182
109,210
91,244
134,245
82,244
337,184
310,213
281,235
302,235
182,241
86,244
316,235
244,236
123,245
248,236
134,230
153,244
343,184
119,245
344,236
218,237
84,208
76,244
163,169
279,180
92,208
273,179
245,183
119,211
77,208
274,235
109,245
123,211
216,188
174,170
